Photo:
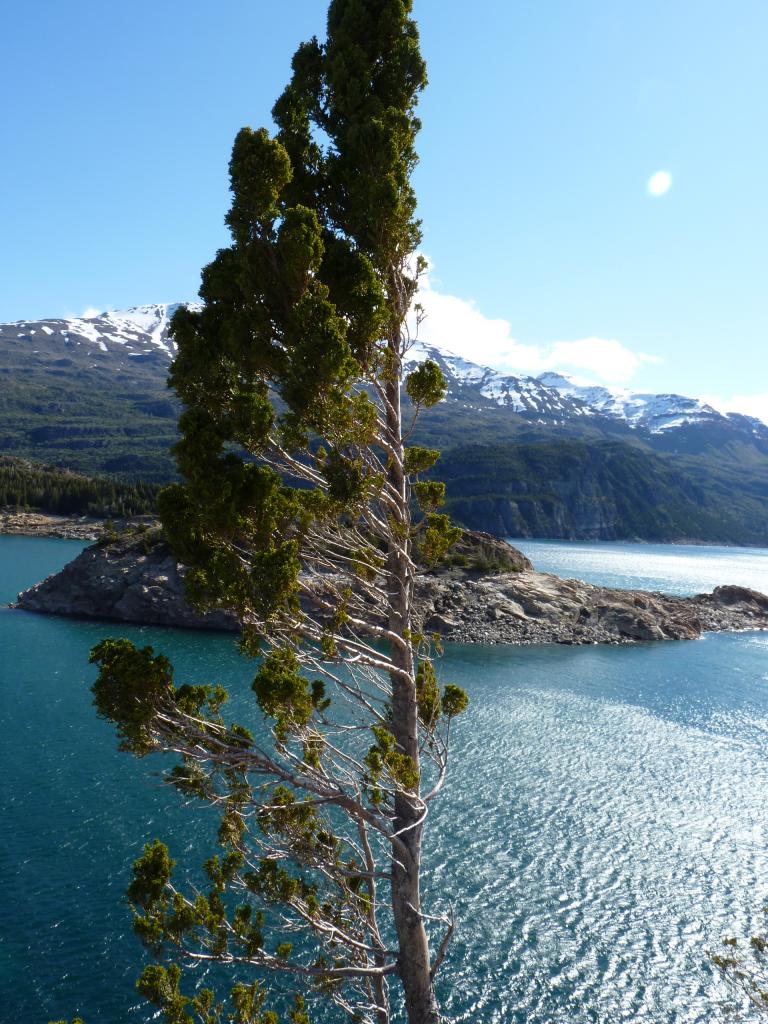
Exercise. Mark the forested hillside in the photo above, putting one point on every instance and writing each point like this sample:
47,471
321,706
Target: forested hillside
61,492
601,491
68,400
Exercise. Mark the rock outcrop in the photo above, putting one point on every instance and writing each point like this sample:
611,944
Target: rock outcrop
532,607
41,524
136,579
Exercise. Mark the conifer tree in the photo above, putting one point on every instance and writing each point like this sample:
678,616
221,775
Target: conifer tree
743,966
301,509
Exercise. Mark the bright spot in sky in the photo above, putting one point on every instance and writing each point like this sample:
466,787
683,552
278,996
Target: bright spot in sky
659,183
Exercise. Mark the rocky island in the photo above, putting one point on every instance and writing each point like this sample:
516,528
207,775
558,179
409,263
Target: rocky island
489,593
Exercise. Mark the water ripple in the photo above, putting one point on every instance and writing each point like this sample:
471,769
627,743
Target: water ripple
603,825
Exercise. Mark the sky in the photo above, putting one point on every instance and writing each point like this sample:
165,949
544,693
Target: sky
592,176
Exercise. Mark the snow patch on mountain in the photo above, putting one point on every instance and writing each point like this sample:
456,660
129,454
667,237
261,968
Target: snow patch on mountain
525,395
656,413
551,398
141,327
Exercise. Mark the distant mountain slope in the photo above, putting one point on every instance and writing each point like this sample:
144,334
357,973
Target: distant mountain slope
529,397
605,490
90,393
663,421
139,332
672,415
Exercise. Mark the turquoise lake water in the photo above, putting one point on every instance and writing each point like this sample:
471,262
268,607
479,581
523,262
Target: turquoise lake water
604,825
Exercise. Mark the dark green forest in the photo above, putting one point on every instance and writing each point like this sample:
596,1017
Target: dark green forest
31,485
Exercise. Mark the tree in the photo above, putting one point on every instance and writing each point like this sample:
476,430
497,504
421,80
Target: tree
744,968
302,510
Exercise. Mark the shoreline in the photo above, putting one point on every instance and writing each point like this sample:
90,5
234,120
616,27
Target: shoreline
639,542
17,523
137,580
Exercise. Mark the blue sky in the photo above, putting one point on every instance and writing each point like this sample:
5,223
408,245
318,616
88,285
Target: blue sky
543,124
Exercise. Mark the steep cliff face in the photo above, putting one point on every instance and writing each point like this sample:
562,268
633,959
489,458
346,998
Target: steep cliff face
583,518
604,491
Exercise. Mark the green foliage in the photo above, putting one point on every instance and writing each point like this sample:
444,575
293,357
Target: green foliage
345,478
744,968
298,1014
296,307
282,692
149,896
151,874
454,701
108,534
383,757
419,460
248,1001
131,687
293,820
431,704
430,494
438,538
427,694
426,384
134,685
161,986
163,917
202,520
294,514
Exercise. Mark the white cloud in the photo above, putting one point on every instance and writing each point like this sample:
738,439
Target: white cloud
458,326
87,314
605,357
747,405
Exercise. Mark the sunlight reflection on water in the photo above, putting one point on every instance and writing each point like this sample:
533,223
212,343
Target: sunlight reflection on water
603,824
670,568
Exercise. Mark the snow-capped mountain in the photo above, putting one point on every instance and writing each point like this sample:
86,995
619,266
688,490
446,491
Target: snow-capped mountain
531,456
140,335
552,396
655,413
528,396
138,331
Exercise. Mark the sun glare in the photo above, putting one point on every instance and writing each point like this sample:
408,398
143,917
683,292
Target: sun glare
659,183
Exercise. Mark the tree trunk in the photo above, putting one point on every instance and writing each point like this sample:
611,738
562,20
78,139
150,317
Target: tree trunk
414,964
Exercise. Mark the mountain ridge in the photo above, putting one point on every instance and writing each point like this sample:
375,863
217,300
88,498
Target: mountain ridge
90,393
547,394
553,392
